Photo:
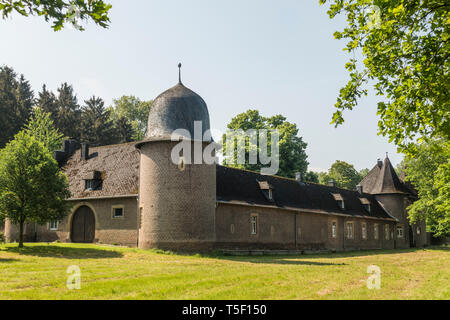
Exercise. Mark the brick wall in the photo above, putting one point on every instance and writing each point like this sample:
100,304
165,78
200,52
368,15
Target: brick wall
283,229
177,206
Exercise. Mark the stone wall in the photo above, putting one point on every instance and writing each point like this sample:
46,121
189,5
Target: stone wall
108,229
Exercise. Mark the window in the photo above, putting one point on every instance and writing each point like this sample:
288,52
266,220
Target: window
117,211
399,231
92,184
386,231
53,225
254,224
366,203
270,194
375,231
339,200
349,230
334,229
364,230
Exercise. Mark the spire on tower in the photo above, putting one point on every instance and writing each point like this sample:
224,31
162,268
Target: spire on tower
179,73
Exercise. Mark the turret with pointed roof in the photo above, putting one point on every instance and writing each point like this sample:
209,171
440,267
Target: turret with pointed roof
383,179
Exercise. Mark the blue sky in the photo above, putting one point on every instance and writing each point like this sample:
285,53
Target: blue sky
279,57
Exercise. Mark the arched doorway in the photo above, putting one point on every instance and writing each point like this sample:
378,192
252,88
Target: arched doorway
83,225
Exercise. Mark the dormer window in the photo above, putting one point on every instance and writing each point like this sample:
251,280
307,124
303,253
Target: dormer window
365,203
93,184
267,190
339,200
93,181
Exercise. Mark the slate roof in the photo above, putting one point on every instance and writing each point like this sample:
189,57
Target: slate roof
384,180
177,108
242,187
119,165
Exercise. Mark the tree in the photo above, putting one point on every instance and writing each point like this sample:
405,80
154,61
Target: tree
406,56
135,111
68,114
291,146
343,174
124,130
41,127
16,100
429,172
48,102
311,176
32,187
60,12
97,128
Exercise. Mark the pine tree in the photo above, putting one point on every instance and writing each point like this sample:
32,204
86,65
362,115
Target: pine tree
47,102
97,126
68,115
16,100
124,130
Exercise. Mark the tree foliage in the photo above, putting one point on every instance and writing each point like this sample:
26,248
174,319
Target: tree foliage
68,114
60,12
32,186
135,111
97,128
16,100
41,128
429,172
344,175
291,145
405,45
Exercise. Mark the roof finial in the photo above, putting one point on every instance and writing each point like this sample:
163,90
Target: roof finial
179,73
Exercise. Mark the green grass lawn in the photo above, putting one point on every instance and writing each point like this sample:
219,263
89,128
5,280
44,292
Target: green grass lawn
38,271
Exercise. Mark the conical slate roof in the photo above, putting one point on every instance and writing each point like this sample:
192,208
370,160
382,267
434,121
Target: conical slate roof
174,109
383,179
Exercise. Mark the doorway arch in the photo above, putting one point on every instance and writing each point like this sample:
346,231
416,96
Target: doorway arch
83,225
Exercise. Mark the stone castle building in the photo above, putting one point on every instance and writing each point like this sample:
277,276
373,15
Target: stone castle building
133,194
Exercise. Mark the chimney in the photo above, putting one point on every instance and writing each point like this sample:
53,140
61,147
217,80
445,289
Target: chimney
359,188
331,183
298,176
84,151
379,163
68,149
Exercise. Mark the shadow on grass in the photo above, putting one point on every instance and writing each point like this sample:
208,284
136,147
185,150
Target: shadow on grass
280,261
7,260
64,252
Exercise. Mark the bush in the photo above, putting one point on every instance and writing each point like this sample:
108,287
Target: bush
2,237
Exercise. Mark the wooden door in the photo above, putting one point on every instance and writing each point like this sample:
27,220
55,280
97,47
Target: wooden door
83,225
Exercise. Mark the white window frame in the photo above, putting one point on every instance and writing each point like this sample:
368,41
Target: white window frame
334,229
254,224
350,235
401,235
113,211
51,227
364,230
376,231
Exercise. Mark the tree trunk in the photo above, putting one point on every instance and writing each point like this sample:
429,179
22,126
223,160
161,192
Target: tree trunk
21,234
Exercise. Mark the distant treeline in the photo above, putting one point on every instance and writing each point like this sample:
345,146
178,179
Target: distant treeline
124,121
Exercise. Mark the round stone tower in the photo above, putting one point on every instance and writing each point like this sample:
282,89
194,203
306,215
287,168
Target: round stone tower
177,193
